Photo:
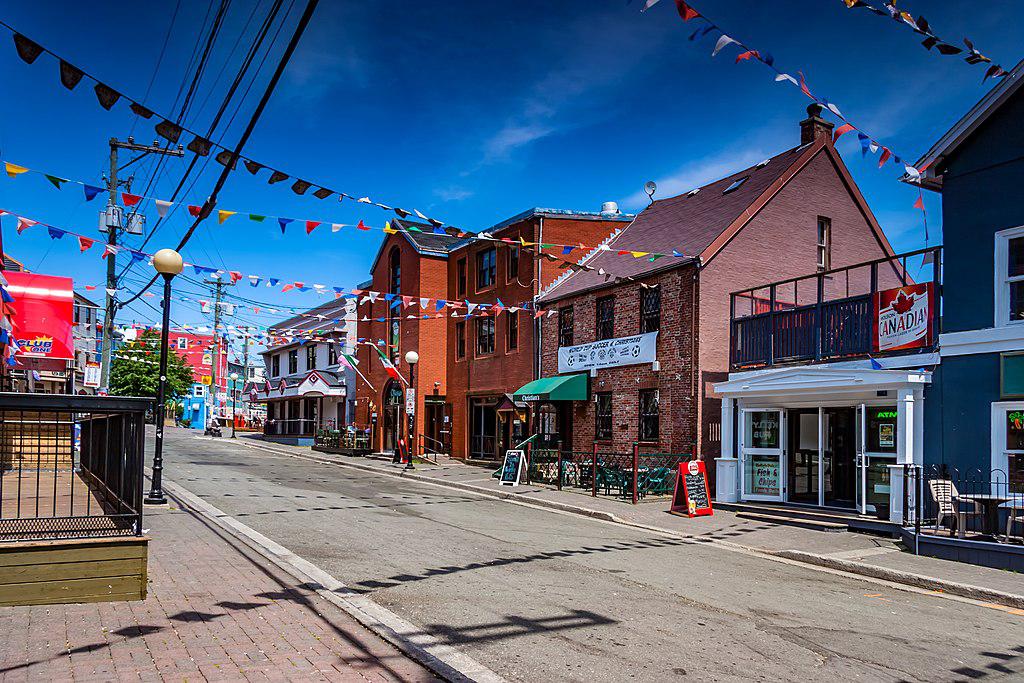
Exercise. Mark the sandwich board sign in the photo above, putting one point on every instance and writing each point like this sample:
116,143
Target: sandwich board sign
512,467
691,496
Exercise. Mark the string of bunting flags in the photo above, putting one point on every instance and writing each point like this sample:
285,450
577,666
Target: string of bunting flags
922,27
70,76
13,170
868,144
362,296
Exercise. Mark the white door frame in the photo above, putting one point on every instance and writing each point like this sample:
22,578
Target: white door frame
779,452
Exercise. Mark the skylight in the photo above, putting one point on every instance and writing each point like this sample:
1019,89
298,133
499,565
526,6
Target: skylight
735,184
693,192
763,163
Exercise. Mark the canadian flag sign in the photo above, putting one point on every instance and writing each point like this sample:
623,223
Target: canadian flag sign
903,317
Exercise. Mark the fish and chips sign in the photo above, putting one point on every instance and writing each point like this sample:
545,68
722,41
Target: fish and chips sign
609,353
903,317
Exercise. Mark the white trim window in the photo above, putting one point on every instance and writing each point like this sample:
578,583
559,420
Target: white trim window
1009,282
1008,445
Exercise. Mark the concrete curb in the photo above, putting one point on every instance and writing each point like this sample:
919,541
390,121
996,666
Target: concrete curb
893,576
441,659
964,590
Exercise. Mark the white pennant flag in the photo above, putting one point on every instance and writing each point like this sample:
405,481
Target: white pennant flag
722,42
335,227
424,302
162,207
787,77
111,292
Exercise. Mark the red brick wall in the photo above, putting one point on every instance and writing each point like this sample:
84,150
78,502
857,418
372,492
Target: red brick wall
779,243
505,371
677,420
421,276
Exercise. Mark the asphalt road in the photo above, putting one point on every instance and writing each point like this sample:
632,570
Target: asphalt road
538,595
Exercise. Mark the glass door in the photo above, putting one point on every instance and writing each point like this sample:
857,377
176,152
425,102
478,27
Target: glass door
762,447
862,460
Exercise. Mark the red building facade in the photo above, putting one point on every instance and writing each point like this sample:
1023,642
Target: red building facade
789,214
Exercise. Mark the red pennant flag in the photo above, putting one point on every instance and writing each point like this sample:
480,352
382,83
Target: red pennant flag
311,226
803,86
685,11
361,226
84,243
299,285
24,224
107,251
841,131
194,210
90,288
287,288
235,276
130,199
885,157
743,56
919,204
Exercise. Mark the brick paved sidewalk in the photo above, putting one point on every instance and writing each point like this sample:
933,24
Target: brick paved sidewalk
216,611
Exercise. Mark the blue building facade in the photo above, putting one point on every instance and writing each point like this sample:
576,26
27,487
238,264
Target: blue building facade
974,418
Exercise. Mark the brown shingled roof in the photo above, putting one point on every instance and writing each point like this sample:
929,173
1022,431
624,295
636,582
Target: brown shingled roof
688,223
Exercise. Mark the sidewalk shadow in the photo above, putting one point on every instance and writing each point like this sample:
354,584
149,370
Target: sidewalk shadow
515,626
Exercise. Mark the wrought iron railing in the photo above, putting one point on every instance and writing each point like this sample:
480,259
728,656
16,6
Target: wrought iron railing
631,476
975,504
70,466
824,316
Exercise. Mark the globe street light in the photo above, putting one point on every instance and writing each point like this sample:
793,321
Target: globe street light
167,263
234,387
411,357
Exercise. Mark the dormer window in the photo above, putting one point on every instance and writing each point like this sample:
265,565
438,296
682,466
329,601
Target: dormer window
735,184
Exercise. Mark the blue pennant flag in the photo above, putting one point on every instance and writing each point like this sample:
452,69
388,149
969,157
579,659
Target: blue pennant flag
91,191
677,254
55,233
254,281
283,222
440,304
865,143
137,256
875,365
389,296
567,250
396,303
274,281
439,231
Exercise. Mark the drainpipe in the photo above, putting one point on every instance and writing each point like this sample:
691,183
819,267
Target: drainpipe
537,321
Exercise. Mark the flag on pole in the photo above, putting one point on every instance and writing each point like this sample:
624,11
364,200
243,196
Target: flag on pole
353,362
389,367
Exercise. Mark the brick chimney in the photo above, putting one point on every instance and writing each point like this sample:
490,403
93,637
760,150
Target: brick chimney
814,127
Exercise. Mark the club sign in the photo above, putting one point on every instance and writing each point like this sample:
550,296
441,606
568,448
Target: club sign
608,353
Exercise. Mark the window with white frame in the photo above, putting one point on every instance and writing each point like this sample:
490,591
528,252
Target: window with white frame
1009,299
1008,444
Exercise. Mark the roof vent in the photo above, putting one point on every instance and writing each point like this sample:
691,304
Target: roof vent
693,192
609,207
735,184
763,163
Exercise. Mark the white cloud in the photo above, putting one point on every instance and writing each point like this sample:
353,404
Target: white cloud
697,172
453,193
514,136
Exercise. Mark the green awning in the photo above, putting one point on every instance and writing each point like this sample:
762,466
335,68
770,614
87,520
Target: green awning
560,388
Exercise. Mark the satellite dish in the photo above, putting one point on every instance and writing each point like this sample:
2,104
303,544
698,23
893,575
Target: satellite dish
650,187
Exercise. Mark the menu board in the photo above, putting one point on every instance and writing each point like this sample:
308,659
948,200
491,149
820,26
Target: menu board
511,467
691,496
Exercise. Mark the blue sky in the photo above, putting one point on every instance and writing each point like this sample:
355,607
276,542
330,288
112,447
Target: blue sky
471,112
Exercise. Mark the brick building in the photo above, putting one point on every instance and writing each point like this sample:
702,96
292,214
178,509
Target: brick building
791,213
492,355
410,264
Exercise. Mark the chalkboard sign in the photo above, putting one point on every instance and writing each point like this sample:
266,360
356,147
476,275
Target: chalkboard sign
691,496
512,467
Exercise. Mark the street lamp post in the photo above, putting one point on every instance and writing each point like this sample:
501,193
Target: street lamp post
411,357
234,405
167,263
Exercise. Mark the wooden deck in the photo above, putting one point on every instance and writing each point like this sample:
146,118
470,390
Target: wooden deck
46,493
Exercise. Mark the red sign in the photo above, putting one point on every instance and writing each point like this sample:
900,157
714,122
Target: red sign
903,317
691,496
43,311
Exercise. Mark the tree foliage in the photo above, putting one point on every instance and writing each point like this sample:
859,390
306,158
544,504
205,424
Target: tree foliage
135,369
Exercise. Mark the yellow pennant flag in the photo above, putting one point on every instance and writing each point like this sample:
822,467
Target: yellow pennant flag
388,229
13,170
224,215
639,254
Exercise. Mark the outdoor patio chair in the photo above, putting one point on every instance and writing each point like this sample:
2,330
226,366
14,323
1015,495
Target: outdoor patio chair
948,499
1015,516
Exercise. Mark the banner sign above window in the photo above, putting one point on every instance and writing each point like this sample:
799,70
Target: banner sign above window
609,353
903,317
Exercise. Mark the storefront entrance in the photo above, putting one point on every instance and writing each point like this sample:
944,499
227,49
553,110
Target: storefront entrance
393,401
836,456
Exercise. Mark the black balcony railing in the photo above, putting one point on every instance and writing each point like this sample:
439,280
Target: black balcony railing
70,466
825,316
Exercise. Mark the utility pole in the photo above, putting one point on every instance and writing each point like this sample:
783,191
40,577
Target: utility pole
217,296
112,233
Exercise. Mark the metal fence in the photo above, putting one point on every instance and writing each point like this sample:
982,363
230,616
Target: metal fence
70,466
630,476
337,441
976,504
